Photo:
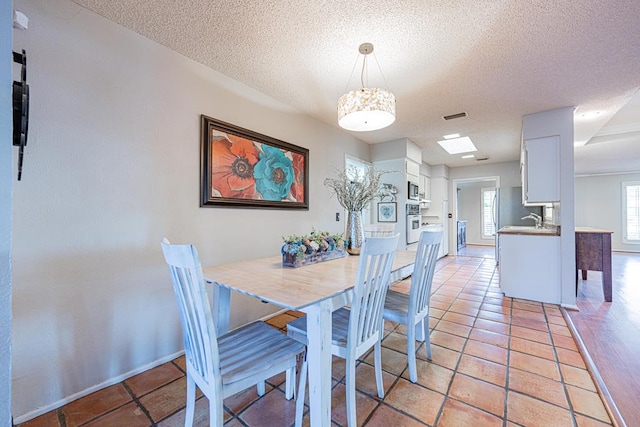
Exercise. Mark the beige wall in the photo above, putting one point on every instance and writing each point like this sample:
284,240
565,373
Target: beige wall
112,166
599,204
6,189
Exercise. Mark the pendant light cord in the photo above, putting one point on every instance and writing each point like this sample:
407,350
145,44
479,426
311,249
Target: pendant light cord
364,66
380,68
362,72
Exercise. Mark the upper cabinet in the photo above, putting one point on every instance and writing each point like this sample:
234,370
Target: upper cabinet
413,171
540,163
425,188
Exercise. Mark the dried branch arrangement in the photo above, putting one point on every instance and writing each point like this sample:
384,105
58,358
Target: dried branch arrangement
355,189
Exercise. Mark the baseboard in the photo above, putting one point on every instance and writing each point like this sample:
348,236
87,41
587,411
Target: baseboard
601,387
115,380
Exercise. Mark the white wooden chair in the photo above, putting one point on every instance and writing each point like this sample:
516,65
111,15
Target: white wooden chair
379,230
413,309
356,330
222,366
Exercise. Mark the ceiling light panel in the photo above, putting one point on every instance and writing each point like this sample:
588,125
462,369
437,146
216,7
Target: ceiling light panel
458,145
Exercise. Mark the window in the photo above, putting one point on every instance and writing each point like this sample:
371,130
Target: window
488,196
631,212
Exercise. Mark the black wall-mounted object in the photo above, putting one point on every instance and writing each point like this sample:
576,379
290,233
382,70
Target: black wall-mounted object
20,109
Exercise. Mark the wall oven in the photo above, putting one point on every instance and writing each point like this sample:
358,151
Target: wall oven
414,223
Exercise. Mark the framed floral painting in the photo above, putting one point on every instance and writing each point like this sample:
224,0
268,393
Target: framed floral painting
241,168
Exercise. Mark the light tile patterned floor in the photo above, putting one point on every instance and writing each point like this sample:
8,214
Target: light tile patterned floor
496,362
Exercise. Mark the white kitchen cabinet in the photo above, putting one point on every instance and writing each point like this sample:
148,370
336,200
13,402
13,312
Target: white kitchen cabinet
413,170
541,170
530,267
425,187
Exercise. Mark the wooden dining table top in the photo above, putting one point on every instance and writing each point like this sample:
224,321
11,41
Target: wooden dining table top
294,288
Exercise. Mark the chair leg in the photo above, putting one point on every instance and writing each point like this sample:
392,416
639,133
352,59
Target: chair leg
215,412
290,382
350,391
411,353
301,391
191,401
378,368
261,388
427,337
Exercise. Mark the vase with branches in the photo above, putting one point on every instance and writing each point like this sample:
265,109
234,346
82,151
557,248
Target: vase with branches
355,190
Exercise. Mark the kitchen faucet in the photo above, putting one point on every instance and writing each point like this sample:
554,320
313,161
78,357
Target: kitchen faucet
537,218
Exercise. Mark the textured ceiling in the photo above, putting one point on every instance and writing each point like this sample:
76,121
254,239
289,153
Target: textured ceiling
495,60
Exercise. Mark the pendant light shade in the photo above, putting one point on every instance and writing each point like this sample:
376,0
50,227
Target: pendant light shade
366,109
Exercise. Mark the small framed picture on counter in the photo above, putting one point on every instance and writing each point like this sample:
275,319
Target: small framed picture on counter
387,212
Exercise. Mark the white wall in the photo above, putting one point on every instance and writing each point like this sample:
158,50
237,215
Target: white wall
6,188
112,166
469,203
599,205
509,173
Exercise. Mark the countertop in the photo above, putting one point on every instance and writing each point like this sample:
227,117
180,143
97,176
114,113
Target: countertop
592,230
529,230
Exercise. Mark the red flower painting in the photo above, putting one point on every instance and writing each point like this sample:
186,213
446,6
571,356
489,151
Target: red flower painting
232,162
241,168
297,189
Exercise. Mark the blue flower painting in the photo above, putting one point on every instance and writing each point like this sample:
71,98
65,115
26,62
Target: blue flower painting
273,173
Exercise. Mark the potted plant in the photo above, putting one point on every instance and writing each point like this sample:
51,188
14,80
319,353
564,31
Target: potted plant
310,249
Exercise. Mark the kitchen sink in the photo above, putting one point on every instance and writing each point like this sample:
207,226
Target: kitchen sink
527,229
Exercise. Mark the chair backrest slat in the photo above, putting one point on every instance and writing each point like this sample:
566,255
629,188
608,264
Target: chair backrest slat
423,271
374,267
379,230
198,330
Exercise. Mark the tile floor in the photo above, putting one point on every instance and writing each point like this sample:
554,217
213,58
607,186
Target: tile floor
496,361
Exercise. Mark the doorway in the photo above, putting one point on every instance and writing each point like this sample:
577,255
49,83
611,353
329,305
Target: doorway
471,212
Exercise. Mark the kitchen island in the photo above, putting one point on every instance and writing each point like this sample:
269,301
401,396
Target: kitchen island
593,252
529,263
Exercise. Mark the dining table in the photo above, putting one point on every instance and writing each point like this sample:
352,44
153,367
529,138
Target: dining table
315,289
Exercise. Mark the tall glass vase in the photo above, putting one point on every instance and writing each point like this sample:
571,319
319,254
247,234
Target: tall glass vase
355,232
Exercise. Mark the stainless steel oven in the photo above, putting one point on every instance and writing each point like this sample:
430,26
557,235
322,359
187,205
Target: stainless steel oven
414,223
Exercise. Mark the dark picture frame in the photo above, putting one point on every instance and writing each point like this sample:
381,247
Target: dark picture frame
387,212
240,168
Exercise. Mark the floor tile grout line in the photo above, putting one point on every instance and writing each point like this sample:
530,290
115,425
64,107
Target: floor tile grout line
455,371
61,418
137,401
557,360
508,362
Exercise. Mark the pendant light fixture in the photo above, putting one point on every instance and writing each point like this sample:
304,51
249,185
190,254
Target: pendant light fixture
366,109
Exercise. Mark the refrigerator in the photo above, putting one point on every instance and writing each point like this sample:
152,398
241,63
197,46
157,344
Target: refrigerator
507,209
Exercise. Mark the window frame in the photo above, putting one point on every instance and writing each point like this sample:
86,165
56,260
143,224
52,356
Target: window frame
482,214
625,219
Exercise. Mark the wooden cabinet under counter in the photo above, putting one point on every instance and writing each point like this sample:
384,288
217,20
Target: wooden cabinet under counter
593,252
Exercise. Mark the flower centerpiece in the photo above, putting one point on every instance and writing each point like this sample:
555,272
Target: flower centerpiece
316,247
355,190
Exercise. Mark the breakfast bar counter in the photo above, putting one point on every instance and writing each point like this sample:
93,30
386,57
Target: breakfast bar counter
593,252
